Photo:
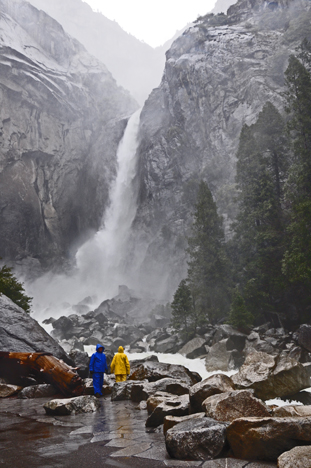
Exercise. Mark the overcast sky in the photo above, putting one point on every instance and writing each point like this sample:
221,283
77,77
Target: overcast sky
153,21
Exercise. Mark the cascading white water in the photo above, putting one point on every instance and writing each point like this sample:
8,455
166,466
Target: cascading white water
101,258
100,261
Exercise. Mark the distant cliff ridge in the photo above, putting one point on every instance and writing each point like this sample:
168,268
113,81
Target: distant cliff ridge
135,65
61,120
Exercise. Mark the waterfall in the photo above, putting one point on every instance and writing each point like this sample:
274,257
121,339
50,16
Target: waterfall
101,259
100,262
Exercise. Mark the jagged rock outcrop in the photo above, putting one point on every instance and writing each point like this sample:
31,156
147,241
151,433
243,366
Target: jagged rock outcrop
217,78
21,333
60,122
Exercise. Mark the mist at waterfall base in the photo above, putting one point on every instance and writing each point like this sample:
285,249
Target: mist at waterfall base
102,262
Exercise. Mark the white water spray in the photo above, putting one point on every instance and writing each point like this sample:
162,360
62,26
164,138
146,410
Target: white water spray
100,261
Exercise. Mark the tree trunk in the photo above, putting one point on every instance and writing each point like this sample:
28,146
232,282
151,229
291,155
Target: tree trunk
44,367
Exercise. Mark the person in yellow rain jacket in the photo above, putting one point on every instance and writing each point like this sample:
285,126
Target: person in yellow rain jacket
120,365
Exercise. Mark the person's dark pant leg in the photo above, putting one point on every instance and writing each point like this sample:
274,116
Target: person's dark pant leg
98,380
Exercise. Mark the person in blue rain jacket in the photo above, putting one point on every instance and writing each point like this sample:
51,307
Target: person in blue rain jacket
98,365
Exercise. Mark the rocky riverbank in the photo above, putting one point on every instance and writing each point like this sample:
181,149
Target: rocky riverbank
141,325
219,418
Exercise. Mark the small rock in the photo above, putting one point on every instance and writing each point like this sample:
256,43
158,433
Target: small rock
292,411
142,405
7,390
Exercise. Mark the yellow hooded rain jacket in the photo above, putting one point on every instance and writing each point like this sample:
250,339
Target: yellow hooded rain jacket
120,363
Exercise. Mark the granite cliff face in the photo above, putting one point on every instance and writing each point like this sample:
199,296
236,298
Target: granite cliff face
134,64
61,118
218,75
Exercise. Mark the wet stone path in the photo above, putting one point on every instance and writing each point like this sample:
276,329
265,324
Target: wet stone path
115,436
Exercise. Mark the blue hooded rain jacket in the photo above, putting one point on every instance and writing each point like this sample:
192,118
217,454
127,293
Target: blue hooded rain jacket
98,361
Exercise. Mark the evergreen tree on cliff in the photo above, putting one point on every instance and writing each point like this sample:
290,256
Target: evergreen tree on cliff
10,287
259,241
208,265
297,258
184,316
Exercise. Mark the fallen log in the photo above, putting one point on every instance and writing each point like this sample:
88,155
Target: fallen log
44,367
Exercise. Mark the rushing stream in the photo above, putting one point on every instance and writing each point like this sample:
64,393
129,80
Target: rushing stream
100,264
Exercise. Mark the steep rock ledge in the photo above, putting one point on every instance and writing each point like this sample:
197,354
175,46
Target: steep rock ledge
216,79
61,118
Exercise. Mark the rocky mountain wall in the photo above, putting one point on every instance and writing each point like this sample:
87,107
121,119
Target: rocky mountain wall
218,75
134,64
61,118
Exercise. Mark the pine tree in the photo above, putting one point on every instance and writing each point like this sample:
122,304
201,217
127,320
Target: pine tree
10,287
261,173
240,317
297,258
184,317
208,264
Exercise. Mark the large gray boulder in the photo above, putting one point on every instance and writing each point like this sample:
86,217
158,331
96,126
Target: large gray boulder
81,360
154,371
157,399
171,406
223,356
217,383
196,439
298,457
267,438
271,376
19,332
237,339
143,390
76,405
194,348
303,336
233,405
171,421
37,391
167,345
